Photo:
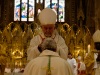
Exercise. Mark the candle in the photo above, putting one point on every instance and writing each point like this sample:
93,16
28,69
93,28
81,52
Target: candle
88,48
20,63
16,63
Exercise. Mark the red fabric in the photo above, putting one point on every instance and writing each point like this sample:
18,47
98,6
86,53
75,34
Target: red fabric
79,67
82,72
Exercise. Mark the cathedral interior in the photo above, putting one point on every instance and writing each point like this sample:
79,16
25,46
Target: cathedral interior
77,20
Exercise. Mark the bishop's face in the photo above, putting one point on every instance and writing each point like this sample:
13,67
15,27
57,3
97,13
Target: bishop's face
48,30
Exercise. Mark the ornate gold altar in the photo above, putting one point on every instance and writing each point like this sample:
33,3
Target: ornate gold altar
15,39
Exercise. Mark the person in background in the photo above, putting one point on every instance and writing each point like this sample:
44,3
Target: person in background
22,68
7,68
48,62
47,18
16,69
90,59
81,68
72,62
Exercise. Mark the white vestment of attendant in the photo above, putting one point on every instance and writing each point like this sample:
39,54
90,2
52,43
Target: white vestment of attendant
39,65
16,70
7,70
81,68
73,63
33,51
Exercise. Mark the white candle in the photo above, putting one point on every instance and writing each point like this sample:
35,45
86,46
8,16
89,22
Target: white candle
88,48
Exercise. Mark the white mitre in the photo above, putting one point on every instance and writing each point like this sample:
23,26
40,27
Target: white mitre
96,36
47,16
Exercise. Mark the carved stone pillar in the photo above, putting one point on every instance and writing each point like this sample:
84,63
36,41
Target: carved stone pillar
67,12
97,14
90,13
73,12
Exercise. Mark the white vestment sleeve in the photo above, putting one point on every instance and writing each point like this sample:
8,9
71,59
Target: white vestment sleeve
33,53
62,48
74,62
32,50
